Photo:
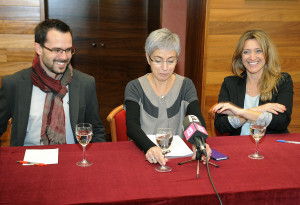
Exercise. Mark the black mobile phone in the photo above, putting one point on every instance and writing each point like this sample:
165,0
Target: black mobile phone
218,155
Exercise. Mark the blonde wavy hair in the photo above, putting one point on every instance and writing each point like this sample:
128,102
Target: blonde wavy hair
272,68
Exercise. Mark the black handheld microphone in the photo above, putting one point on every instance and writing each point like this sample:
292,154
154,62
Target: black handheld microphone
195,133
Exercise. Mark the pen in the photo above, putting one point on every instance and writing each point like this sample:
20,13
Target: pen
293,142
34,163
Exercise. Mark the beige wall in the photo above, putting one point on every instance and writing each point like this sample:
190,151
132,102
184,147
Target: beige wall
174,18
228,20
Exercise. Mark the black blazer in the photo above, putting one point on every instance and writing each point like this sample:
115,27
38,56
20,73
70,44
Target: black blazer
15,99
233,90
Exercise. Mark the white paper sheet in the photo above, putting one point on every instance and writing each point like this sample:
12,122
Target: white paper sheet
178,147
46,156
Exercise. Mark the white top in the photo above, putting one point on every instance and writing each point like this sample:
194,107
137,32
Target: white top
249,102
33,133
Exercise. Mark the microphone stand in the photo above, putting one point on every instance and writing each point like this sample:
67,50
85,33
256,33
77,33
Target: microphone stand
180,163
198,158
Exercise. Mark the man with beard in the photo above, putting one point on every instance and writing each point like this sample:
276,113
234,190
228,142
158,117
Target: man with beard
47,100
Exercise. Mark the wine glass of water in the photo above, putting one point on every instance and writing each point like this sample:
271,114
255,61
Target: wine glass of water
257,130
164,137
84,133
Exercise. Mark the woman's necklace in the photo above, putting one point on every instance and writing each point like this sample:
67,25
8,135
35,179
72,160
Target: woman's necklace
162,94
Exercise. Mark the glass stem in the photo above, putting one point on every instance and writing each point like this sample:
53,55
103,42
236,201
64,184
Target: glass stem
256,152
84,160
164,153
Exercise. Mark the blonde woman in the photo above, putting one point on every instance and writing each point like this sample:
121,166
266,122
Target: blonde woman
258,90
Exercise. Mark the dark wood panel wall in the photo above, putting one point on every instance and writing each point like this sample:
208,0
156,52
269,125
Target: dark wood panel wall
110,40
195,37
228,20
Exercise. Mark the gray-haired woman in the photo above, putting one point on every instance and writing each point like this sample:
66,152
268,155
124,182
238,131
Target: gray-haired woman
160,98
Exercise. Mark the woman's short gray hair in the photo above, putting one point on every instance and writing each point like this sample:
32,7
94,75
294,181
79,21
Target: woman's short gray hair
162,39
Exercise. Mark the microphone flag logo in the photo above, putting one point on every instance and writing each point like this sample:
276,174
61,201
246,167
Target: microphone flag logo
192,129
201,128
189,131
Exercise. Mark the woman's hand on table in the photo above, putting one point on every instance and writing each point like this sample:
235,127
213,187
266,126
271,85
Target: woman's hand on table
154,155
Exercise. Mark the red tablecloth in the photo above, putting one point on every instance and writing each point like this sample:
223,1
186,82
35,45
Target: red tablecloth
121,175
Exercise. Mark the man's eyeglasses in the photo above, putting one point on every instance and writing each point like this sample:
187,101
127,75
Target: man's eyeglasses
59,51
160,62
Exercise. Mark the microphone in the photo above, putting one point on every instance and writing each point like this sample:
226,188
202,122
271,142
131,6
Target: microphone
195,133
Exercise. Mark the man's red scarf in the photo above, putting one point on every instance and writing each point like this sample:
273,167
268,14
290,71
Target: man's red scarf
53,123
